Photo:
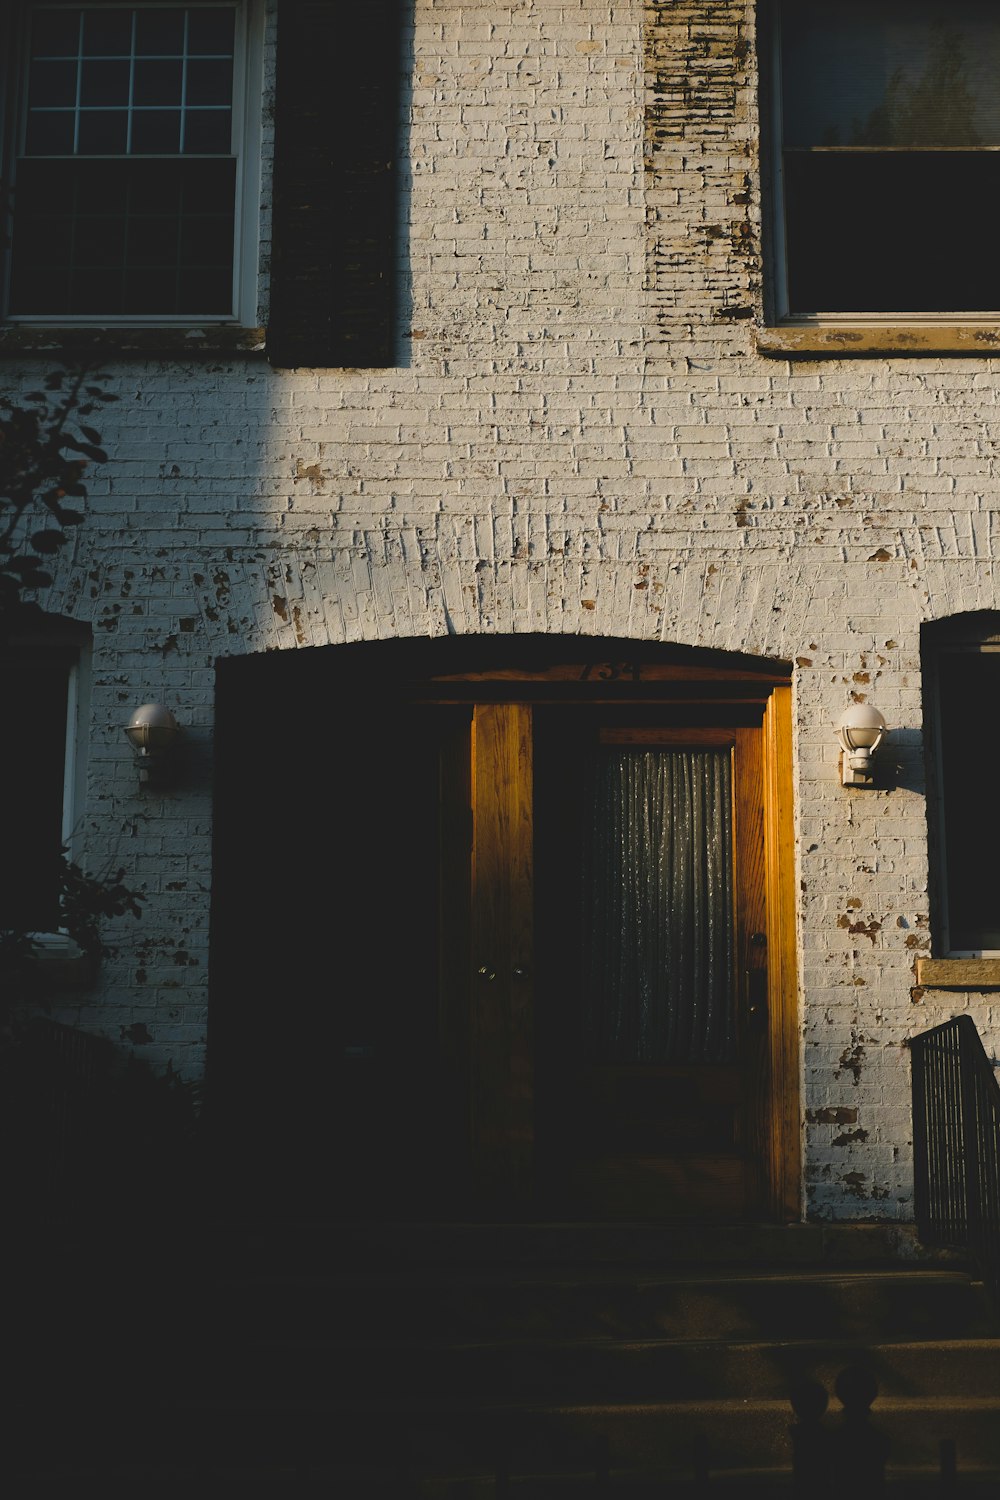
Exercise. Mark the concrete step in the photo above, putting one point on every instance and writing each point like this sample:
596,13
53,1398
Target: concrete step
312,1247
586,1302
589,1370
449,1441
287,1482
417,1371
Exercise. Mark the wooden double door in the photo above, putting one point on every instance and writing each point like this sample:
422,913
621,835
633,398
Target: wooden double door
541,965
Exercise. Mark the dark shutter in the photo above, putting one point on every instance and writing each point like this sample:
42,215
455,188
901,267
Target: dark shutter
32,768
334,259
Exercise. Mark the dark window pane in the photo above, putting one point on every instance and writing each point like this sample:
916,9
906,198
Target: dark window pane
97,292
207,241
970,718
55,33
148,236
891,73
152,242
38,289
207,292
50,133
99,243
45,186
156,131
159,32
879,266
208,185
102,187
103,132
158,81
207,130
46,241
154,187
211,30
107,33
151,292
52,83
104,84
210,81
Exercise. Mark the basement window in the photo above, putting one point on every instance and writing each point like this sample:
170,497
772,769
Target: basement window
886,120
132,187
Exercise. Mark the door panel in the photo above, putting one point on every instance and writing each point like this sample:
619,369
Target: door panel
652,1109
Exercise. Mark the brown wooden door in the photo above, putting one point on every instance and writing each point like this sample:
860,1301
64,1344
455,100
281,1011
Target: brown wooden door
568,1114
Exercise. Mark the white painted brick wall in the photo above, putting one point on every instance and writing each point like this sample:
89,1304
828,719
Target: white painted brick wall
576,444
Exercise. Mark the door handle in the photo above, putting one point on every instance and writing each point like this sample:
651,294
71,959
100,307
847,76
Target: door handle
486,973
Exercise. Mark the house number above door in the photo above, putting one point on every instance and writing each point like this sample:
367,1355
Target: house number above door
611,671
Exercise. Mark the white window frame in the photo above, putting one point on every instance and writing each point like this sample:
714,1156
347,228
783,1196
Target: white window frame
779,256
246,128
74,781
74,762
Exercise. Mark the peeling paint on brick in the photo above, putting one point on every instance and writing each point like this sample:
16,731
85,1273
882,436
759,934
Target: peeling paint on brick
832,1115
138,1034
852,1061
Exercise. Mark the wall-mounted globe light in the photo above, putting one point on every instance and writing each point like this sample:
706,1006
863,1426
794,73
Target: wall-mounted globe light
860,731
154,735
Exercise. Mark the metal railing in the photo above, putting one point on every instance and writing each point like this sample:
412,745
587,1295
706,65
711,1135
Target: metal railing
956,1145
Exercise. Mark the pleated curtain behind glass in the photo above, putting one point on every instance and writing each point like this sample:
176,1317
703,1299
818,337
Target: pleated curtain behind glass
658,907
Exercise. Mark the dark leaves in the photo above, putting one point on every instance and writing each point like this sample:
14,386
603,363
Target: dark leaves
97,454
48,541
43,453
87,900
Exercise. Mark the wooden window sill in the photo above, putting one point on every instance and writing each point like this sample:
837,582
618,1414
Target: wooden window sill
113,341
845,340
959,973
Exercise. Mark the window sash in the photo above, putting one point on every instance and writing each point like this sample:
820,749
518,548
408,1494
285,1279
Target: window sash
132,69
819,243
245,154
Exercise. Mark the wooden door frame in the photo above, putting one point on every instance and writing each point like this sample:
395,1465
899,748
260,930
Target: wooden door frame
785,1153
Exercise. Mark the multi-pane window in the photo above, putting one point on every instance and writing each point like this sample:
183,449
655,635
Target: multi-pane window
962,715
887,120
126,197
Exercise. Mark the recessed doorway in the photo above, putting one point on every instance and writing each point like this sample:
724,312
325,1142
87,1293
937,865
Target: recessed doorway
504,927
